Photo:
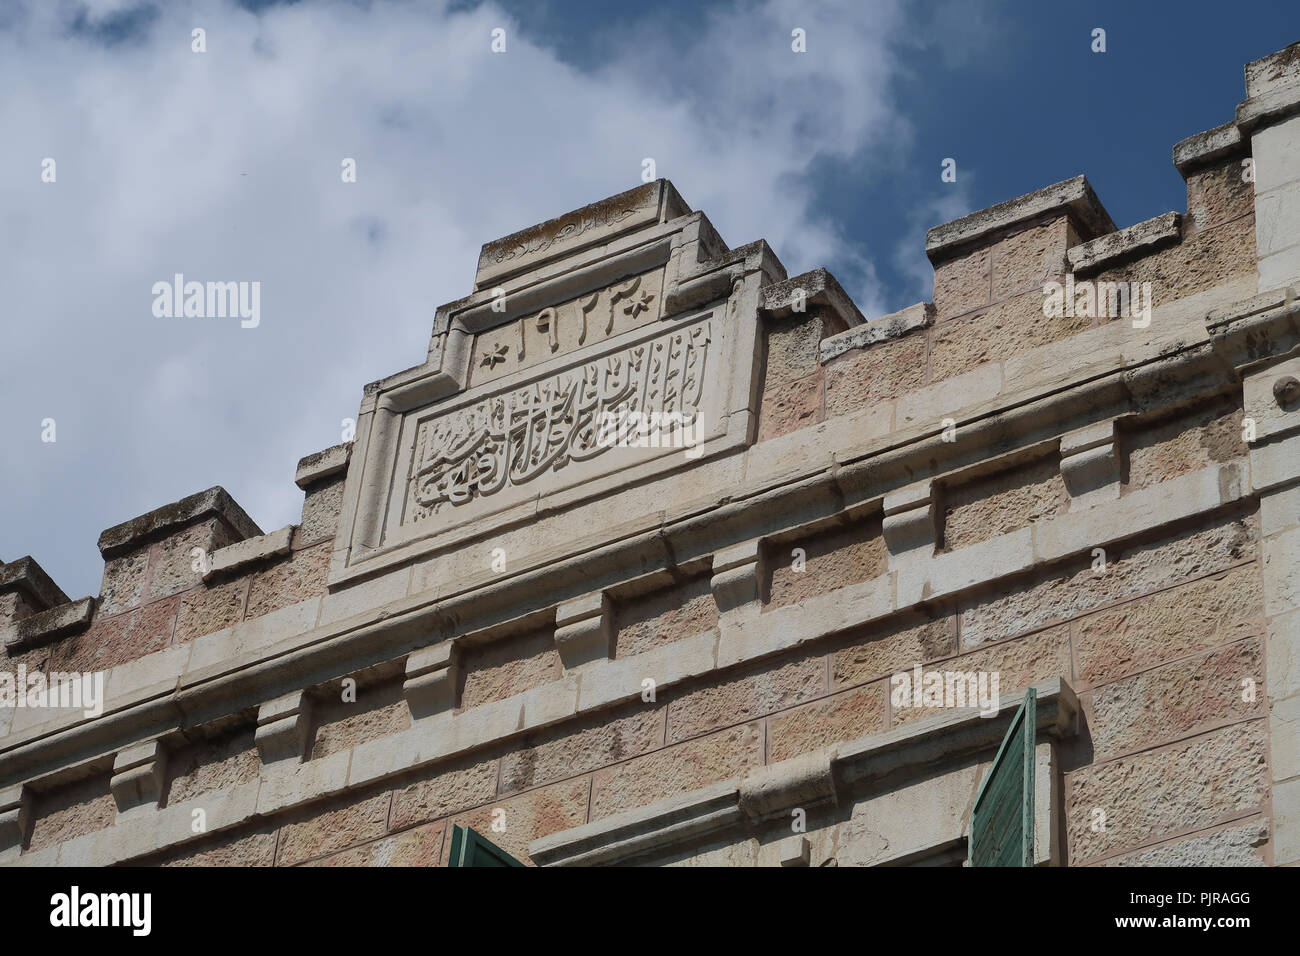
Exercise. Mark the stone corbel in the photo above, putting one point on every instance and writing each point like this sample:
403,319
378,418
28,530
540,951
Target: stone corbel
15,813
138,774
584,630
1090,465
282,727
735,581
432,676
909,524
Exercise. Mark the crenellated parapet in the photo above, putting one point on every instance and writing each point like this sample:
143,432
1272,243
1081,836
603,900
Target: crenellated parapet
637,551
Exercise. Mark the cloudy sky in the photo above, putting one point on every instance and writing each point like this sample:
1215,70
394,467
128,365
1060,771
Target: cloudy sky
225,165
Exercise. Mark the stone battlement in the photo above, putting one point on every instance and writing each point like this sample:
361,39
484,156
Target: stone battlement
497,577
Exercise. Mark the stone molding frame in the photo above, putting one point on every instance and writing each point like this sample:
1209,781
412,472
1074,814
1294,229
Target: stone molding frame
705,292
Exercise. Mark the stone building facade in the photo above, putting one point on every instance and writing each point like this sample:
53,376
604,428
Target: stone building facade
506,607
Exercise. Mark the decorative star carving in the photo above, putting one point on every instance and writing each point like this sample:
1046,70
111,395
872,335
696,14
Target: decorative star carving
498,354
640,304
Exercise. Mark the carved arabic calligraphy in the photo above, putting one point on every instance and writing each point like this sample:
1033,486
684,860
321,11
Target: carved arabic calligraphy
512,438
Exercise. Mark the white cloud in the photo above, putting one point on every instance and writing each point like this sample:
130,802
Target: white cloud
225,166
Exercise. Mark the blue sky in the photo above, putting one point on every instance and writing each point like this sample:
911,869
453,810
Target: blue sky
225,166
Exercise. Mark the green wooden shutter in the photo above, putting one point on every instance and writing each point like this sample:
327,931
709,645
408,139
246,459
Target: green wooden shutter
471,848
1002,822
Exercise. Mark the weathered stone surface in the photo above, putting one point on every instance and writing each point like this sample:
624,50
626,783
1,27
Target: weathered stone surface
1177,700
845,716
288,582
755,693
207,609
831,559
1207,434
664,616
529,816
879,331
963,283
507,667
174,562
1001,502
70,811
123,583
790,406
444,790
320,513
213,765
1008,328
114,640
1198,263
1217,195
1136,240
421,846
1074,589
229,849
1021,262
865,377
879,651
1237,845
1195,616
677,769
596,741
792,346
333,826
1188,785
1017,663
378,711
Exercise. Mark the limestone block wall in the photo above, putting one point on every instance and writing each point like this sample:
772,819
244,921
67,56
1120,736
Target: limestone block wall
661,666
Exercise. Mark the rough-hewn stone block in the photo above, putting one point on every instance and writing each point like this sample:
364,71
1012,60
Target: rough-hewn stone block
1195,616
864,377
288,582
898,645
1075,588
443,790
509,666
1240,844
1209,433
1177,700
596,741
844,716
789,406
208,609
529,816
421,846
995,504
830,559
379,710
212,765
759,691
1192,784
676,769
333,826
664,616
71,811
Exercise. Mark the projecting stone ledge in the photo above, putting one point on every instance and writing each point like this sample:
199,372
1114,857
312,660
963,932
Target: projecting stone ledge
892,326
323,464
1074,196
215,502
818,287
1136,240
1208,148
28,579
